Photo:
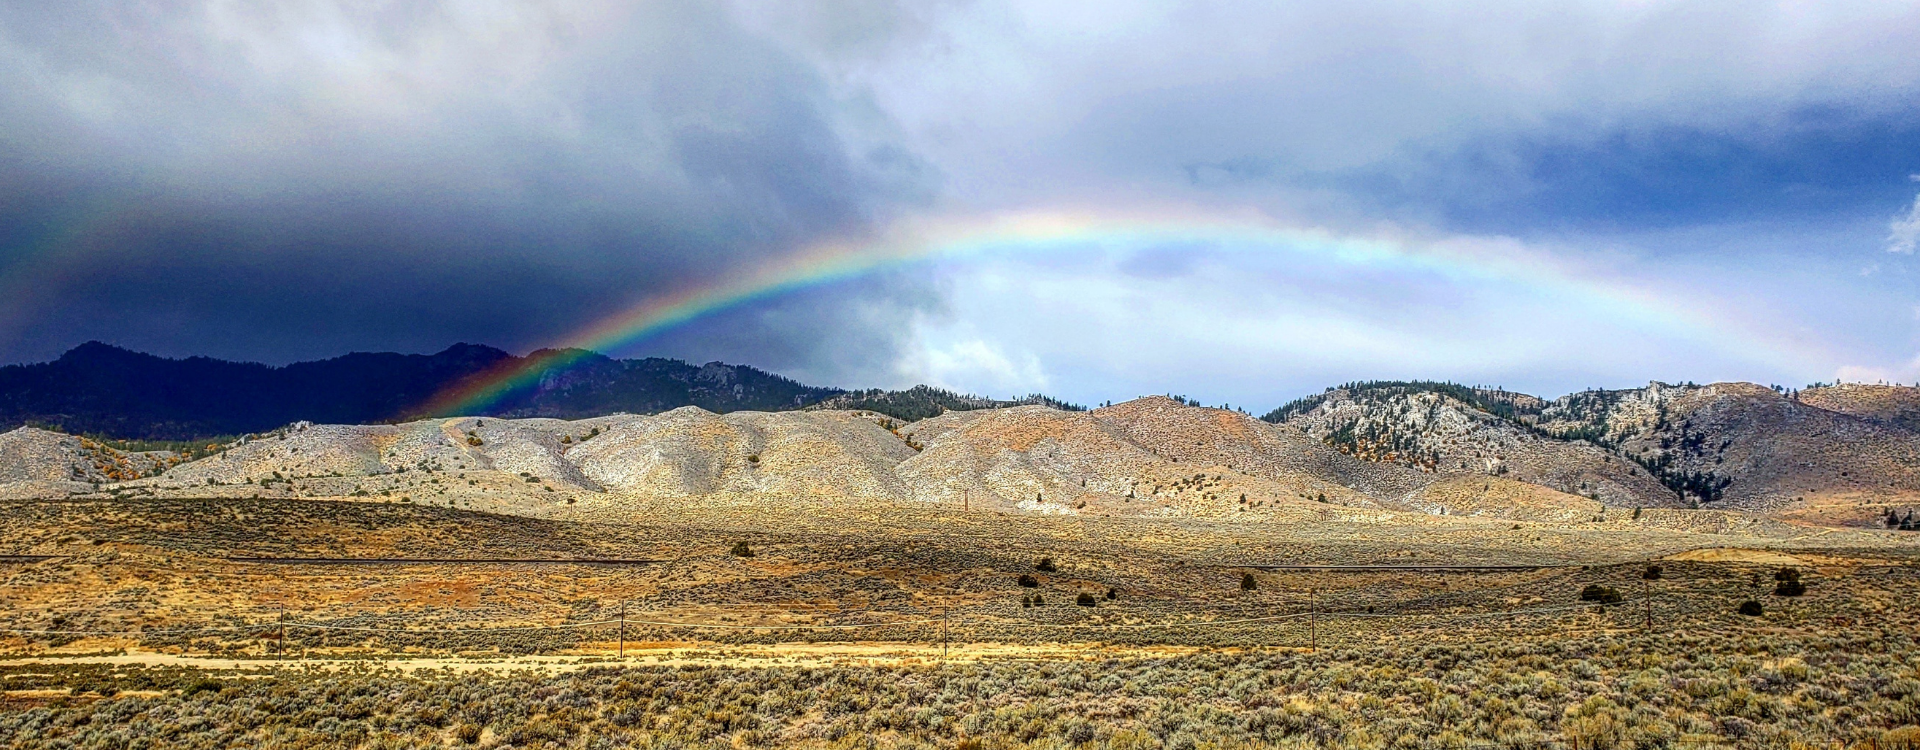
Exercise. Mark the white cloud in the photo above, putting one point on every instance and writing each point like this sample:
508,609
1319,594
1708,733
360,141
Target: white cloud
970,365
1905,372
1903,235
1258,325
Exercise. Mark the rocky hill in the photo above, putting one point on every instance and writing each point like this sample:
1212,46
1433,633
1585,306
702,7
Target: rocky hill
39,462
1739,445
1250,446
1446,429
1360,449
1892,405
1051,461
1728,445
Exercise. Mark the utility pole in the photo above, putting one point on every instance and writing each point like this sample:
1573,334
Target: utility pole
943,632
1647,598
283,629
623,629
1313,621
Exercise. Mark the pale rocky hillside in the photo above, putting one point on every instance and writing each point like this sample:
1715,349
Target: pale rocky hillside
689,452
1040,459
1354,454
1253,447
32,454
1440,434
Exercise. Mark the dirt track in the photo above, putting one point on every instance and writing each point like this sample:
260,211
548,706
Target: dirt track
638,654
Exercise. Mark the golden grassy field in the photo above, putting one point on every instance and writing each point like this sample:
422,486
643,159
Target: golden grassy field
136,630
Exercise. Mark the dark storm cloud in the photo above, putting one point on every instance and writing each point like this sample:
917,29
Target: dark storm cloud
289,180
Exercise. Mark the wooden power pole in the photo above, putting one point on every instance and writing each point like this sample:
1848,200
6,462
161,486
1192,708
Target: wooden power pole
1313,621
1647,598
623,629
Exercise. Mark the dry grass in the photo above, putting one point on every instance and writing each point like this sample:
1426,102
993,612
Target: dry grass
1181,657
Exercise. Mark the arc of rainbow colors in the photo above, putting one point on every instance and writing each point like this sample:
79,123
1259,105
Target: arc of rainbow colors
831,262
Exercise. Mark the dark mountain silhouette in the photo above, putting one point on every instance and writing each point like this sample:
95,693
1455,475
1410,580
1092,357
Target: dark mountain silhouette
101,389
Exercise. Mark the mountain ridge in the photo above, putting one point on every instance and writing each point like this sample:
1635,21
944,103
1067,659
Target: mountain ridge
106,390
1426,444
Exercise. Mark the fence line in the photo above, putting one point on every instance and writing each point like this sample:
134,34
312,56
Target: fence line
958,620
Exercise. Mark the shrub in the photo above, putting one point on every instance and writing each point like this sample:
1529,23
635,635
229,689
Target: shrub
1653,573
1112,593
1247,583
1790,588
1084,599
1045,565
1597,593
1028,581
1787,574
1039,602
201,686
740,549
1751,608
1026,602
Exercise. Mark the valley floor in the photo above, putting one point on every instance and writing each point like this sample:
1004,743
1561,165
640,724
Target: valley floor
130,623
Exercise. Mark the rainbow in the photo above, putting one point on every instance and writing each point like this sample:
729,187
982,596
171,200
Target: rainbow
1492,262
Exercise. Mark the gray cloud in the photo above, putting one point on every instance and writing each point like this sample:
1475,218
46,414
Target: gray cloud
291,179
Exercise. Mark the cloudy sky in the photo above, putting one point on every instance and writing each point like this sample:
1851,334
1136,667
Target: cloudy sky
1241,203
